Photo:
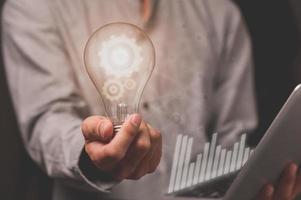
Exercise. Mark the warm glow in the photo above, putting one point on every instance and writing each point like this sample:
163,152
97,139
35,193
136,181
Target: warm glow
120,56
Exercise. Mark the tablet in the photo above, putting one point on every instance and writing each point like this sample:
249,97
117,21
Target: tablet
280,145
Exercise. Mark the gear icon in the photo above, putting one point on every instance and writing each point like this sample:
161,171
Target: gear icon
113,90
129,84
120,56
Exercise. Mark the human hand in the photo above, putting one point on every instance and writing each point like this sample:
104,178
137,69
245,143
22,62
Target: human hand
132,153
288,187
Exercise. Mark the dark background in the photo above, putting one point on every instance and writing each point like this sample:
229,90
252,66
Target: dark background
275,28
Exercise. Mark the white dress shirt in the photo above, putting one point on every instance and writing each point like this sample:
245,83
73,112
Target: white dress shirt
202,83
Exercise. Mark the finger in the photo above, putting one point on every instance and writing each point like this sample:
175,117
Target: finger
119,145
156,153
297,187
127,133
266,193
94,151
152,159
97,128
284,190
137,151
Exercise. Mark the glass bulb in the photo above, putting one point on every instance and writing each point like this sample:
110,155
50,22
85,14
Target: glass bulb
119,58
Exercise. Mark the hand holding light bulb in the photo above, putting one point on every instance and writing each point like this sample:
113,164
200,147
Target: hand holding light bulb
119,59
133,152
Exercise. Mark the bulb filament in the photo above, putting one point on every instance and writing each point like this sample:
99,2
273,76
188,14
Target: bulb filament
122,114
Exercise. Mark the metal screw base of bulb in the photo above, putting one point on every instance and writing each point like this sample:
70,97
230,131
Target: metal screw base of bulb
116,128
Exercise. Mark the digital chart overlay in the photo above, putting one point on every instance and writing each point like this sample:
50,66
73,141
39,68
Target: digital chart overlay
214,163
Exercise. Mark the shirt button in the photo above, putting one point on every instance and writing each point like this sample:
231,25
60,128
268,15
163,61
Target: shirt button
145,105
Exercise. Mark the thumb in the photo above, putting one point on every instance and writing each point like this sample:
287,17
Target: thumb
97,128
127,133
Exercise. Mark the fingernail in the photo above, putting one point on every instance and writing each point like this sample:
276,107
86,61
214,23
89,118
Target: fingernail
293,168
269,190
136,120
149,126
103,129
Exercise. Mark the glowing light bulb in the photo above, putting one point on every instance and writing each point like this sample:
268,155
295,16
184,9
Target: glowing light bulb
119,58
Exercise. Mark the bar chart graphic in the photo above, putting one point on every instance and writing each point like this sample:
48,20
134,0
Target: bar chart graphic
214,162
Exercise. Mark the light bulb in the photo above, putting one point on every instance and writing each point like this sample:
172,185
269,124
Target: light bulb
119,58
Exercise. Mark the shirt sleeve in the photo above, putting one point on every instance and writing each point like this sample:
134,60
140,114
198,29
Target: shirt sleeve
234,106
47,102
